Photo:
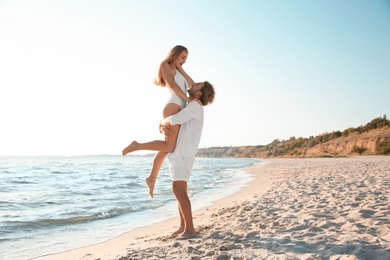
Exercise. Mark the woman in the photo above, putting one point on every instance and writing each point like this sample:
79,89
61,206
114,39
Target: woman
172,76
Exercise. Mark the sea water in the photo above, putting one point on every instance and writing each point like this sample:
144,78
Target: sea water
52,204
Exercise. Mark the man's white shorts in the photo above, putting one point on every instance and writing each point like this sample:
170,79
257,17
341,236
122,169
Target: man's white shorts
180,167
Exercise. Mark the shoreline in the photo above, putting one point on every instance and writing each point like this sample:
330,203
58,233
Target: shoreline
312,208
116,246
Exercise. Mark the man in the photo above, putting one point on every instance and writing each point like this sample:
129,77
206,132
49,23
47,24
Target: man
182,158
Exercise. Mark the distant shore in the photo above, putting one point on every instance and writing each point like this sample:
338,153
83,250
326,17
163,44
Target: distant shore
334,208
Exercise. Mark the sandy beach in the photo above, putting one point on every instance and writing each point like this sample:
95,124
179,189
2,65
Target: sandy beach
318,208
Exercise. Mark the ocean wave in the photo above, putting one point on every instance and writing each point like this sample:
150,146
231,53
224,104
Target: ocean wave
23,182
67,195
62,172
8,227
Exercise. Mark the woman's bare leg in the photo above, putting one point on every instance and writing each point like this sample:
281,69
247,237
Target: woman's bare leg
156,166
156,145
159,158
170,109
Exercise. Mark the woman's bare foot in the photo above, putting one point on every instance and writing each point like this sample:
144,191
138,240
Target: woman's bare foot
130,148
150,182
186,235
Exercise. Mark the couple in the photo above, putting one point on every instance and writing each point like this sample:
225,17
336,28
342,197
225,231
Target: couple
182,126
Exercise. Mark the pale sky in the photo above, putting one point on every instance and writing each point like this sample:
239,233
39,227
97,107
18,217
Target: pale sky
76,76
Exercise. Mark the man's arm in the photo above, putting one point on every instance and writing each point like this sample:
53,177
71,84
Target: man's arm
191,111
165,127
165,122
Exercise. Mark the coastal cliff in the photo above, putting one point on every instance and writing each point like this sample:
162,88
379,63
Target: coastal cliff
369,143
370,139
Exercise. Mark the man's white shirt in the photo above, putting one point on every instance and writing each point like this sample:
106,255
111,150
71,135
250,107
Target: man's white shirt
190,120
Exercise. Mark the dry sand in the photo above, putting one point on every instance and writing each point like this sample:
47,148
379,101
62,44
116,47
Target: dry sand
322,208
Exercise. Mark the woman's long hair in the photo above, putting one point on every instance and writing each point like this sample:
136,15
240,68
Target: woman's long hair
173,53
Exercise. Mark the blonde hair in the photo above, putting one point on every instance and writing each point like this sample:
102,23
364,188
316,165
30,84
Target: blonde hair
173,53
208,94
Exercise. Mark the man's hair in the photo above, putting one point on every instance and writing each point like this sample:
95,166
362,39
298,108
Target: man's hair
208,94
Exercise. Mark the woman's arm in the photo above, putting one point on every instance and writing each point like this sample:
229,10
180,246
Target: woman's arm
188,78
170,82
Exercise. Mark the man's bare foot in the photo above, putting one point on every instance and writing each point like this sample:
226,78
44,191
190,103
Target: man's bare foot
130,148
150,182
177,232
186,235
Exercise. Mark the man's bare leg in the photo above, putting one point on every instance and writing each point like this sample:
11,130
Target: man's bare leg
156,166
179,189
181,227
